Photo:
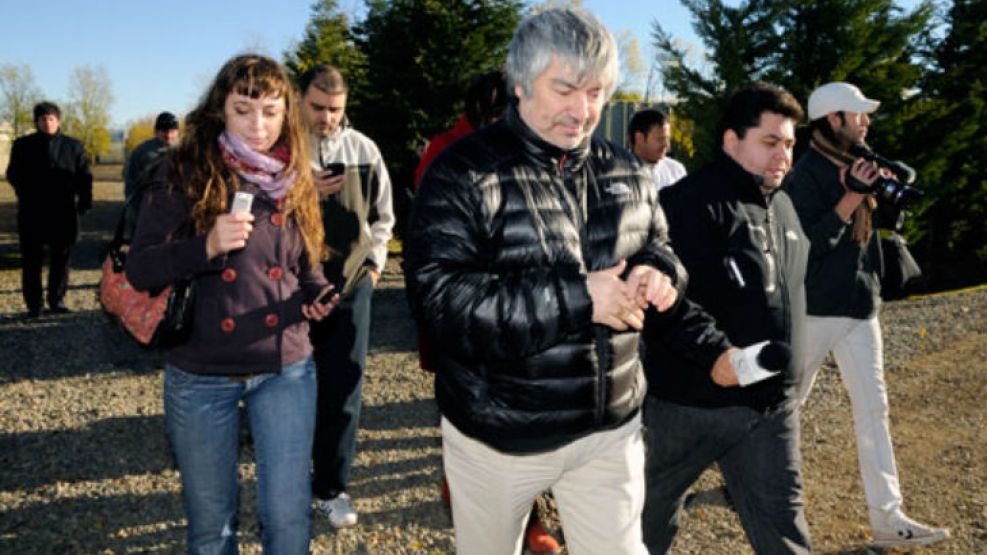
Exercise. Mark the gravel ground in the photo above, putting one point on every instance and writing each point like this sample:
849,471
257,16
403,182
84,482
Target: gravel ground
85,467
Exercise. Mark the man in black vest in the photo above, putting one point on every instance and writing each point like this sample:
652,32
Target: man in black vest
50,174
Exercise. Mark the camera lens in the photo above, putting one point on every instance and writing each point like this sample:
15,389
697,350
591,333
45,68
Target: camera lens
895,193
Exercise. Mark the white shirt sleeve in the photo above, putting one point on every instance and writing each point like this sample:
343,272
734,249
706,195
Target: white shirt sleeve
382,228
667,171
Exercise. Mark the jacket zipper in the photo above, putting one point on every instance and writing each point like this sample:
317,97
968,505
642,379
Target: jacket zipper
575,209
776,255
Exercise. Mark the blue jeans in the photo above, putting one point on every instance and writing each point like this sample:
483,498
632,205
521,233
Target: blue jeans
340,342
758,455
202,416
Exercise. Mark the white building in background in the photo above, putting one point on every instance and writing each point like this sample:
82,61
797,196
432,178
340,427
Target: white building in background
115,152
6,141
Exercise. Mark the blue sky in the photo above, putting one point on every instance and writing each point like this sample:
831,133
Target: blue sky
162,55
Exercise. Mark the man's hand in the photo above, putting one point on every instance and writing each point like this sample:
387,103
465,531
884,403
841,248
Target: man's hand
864,172
374,277
328,183
613,300
647,286
723,373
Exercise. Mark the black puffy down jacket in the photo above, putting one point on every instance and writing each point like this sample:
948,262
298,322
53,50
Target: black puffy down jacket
505,229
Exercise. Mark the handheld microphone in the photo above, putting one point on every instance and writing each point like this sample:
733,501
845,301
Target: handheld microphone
775,356
760,361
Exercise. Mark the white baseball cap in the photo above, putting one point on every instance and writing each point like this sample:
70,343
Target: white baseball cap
839,97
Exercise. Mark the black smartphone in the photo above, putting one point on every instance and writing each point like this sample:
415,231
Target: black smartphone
336,168
325,297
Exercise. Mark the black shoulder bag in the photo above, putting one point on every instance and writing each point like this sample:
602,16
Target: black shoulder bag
900,271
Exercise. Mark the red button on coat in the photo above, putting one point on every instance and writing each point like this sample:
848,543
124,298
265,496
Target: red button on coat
279,203
271,320
228,325
229,275
277,219
275,273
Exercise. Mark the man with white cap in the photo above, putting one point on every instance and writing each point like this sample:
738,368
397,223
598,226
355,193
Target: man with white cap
843,294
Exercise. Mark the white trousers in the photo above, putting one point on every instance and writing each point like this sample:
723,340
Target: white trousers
859,352
597,480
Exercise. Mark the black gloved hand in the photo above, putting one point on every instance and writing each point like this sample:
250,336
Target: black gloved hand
856,185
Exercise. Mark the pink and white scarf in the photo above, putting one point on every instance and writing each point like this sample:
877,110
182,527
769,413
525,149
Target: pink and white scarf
264,170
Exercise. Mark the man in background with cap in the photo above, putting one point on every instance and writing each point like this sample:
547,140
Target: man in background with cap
843,284
141,158
138,168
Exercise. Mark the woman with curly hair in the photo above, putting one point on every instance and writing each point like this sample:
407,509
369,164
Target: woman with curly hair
257,277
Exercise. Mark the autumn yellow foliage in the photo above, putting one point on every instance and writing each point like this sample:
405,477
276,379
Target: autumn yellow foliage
138,132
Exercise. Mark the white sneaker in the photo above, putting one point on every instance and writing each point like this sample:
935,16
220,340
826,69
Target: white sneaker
338,510
904,531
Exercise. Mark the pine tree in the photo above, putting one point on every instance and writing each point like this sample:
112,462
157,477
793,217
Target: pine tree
928,69
421,56
798,44
948,141
741,43
870,43
328,39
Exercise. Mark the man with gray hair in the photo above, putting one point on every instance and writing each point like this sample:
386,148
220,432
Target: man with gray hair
533,253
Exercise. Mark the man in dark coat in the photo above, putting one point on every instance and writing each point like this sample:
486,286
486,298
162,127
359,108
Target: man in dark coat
139,169
739,238
136,171
50,174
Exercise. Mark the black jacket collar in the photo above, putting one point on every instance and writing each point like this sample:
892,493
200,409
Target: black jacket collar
747,186
541,152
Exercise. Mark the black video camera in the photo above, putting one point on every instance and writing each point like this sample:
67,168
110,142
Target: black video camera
896,193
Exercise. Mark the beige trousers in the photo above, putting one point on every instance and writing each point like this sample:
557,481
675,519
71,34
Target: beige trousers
598,481
858,349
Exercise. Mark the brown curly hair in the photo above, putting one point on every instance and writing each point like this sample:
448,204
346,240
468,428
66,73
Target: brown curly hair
199,161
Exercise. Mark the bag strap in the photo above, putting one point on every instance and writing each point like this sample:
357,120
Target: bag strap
122,222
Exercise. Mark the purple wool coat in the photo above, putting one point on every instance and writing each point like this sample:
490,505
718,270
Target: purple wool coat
247,316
